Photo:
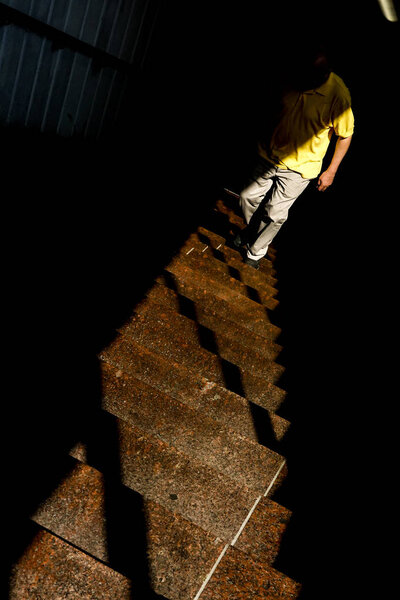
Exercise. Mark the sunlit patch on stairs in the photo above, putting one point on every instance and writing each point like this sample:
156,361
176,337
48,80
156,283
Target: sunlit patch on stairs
170,492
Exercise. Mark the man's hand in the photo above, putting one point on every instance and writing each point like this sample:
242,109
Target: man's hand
325,180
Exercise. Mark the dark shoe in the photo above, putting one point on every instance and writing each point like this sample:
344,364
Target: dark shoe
240,240
251,263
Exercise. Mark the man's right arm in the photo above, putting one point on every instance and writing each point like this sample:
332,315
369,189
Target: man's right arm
326,178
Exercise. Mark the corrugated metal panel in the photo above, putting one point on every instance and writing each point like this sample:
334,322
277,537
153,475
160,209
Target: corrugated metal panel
110,25
49,86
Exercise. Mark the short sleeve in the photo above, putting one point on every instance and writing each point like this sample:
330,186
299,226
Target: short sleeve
342,115
343,124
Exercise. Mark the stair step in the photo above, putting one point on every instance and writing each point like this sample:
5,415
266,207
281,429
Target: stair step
223,242
257,285
263,533
228,206
196,391
226,219
153,547
188,332
233,214
189,430
50,568
153,329
222,300
222,248
238,577
225,252
224,331
216,239
228,261
167,476
216,270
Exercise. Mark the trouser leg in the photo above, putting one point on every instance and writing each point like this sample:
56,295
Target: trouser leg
253,195
286,188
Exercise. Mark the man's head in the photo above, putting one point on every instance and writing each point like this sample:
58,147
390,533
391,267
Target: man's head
311,68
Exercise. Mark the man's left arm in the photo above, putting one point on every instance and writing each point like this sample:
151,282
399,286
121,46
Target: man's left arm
326,178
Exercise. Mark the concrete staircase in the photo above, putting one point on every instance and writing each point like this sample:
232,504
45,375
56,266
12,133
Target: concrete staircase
170,494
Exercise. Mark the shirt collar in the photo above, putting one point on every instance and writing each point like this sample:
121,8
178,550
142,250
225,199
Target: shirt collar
323,89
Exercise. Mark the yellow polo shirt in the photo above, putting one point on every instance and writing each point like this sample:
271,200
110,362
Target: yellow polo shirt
307,123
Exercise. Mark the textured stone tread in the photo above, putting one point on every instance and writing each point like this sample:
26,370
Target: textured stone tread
233,255
182,328
51,569
263,533
152,329
169,477
149,544
189,430
199,245
190,388
215,270
239,577
208,318
231,305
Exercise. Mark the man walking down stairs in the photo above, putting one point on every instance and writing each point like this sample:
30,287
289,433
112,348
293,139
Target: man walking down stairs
170,492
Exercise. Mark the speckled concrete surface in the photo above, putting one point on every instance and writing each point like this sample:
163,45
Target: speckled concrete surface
199,247
168,476
255,389
175,554
189,430
239,577
186,332
262,536
153,329
234,306
51,569
225,259
226,334
233,256
206,264
176,462
189,388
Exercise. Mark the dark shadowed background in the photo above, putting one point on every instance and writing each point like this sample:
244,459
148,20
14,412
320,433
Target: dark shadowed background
87,223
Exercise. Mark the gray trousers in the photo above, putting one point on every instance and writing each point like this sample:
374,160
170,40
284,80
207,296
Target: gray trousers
265,204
